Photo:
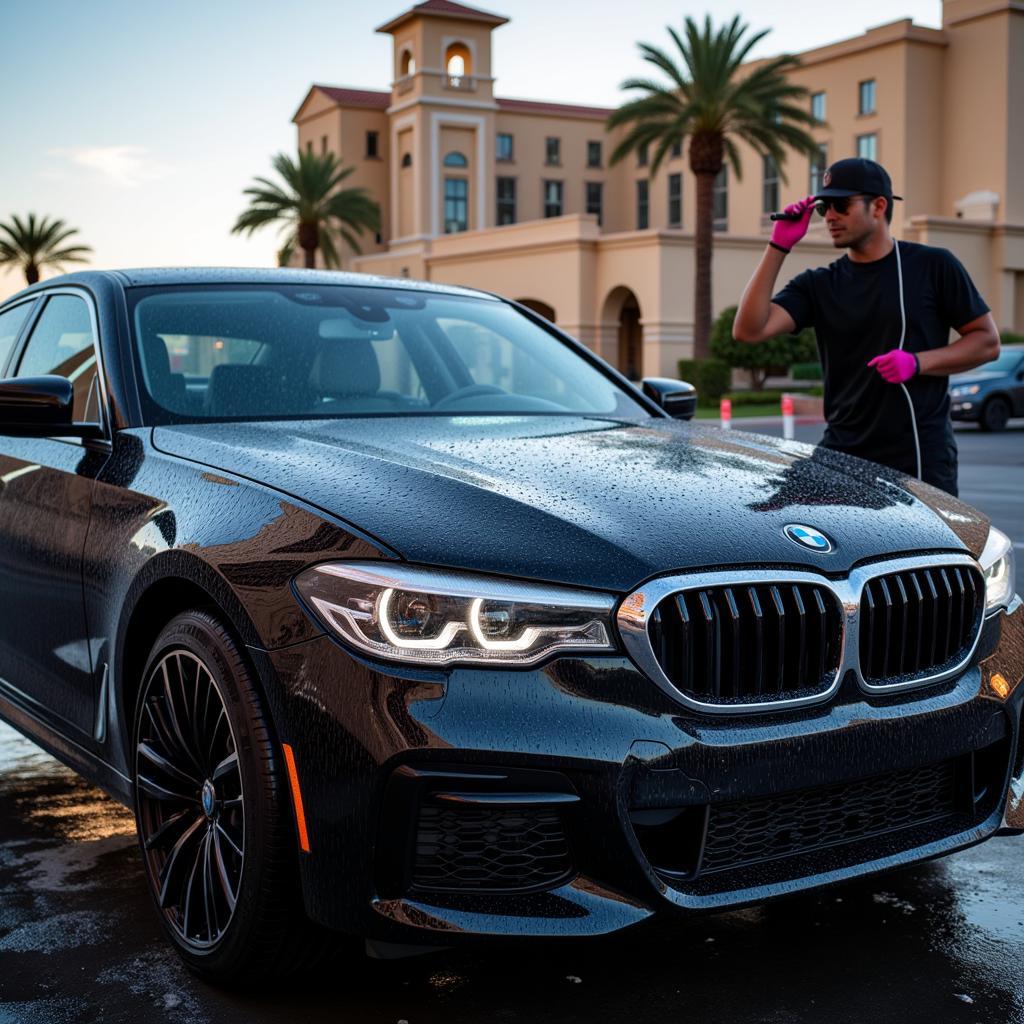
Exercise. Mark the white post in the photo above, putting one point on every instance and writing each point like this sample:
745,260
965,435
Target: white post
725,413
788,420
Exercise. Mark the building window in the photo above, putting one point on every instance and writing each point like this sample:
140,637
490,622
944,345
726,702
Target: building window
323,143
407,160
867,146
818,106
553,198
818,164
408,64
504,150
642,203
677,148
720,200
552,150
642,154
309,145
770,187
866,104
595,199
455,159
371,145
593,154
506,201
675,200
456,205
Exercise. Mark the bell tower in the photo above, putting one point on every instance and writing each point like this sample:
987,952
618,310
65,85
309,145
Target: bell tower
442,119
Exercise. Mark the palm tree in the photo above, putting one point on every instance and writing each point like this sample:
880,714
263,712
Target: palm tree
34,244
311,206
709,99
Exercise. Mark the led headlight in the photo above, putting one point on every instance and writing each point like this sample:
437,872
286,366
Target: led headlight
964,389
997,562
436,617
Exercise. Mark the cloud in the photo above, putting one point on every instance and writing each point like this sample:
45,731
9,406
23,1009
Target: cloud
127,166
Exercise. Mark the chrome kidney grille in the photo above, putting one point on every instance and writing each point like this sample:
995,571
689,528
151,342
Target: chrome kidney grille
749,643
746,641
918,620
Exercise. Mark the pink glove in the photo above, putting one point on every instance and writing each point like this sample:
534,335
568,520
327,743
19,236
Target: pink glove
786,233
896,366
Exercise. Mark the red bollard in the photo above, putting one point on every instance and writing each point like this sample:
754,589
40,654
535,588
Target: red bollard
725,413
788,422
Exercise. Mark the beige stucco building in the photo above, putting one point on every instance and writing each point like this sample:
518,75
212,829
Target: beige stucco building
517,196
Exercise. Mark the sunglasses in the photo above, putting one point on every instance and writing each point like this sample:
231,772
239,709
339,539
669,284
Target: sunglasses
841,204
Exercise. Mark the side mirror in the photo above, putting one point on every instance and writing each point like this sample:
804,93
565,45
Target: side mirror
676,397
40,407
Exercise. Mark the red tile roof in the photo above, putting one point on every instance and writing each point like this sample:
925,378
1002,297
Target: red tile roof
555,109
374,100
444,9
447,7
357,97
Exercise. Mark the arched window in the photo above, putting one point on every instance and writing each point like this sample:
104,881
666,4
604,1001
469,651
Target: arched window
407,65
458,62
454,159
407,160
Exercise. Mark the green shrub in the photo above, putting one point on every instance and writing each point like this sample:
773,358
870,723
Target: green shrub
781,351
1010,338
711,377
805,371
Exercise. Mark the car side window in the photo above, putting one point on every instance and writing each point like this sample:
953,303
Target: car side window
61,343
10,324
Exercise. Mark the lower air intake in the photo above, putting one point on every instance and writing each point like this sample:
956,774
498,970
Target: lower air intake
461,849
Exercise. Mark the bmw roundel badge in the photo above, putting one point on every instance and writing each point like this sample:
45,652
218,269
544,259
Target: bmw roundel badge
808,537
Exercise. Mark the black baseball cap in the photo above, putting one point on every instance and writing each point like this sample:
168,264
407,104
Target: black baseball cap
856,176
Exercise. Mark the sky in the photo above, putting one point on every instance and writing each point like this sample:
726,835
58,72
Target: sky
141,123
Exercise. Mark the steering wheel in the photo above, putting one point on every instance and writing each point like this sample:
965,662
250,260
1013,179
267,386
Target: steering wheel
467,392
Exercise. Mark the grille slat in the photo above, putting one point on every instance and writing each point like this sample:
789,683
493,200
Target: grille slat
915,622
745,644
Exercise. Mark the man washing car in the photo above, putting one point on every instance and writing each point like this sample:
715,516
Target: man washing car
882,314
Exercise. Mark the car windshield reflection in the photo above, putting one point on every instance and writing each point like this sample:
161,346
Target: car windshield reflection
211,354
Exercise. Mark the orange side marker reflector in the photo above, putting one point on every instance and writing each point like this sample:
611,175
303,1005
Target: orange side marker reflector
1000,687
300,814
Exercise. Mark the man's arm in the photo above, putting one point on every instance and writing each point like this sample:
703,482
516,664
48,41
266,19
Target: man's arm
757,317
978,343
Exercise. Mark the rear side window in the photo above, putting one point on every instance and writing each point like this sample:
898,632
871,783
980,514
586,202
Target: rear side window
61,343
10,324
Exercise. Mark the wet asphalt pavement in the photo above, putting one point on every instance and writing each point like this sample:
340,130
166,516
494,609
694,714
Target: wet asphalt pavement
944,941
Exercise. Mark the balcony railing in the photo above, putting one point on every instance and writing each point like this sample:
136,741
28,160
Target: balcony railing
462,83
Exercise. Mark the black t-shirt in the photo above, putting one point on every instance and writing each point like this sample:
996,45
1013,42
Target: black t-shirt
854,309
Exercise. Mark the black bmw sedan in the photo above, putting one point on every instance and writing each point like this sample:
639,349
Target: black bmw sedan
395,613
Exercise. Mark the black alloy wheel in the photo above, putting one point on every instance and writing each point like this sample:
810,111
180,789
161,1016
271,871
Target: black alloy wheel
213,810
995,414
190,795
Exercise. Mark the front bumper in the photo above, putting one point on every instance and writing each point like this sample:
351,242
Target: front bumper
632,779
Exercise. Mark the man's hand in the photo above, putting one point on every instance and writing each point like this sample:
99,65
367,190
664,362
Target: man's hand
895,366
786,233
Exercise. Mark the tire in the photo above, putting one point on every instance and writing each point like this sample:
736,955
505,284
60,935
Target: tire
213,812
994,414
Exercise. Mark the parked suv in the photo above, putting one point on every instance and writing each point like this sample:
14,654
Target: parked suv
394,612
992,393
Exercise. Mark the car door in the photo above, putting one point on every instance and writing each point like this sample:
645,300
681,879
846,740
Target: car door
46,489
1017,388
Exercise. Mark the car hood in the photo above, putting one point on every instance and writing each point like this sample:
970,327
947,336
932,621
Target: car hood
584,501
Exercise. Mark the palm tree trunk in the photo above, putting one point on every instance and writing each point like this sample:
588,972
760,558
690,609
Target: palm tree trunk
702,256
309,239
31,273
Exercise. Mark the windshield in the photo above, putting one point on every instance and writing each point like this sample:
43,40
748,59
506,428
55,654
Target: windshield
300,351
1005,362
